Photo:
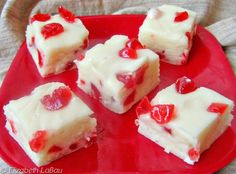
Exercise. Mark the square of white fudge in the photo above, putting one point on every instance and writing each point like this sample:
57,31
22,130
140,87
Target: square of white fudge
48,124
168,30
118,82
54,54
198,119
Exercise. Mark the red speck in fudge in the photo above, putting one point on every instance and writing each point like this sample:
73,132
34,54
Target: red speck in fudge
58,99
140,73
162,113
32,40
69,65
76,51
51,29
66,14
219,108
127,79
54,149
193,154
95,92
134,44
37,143
100,83
181,16
94,134
143,107
130,98
82,82
188,35
128,53
85,44
12,125
80,57
40,17
185,59
73,146
185,85
40,59
161,54
168,130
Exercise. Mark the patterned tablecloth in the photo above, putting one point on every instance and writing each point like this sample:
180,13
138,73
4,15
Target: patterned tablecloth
219,16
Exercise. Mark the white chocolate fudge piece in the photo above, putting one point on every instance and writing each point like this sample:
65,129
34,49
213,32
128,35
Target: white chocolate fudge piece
183,119
54,42
168,30
118,73
50,123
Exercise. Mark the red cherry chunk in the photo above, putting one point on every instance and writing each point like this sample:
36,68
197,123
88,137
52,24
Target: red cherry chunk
127,79
58,99
37,143
73,146
134,44
54,149
181,16
82,82
185,85
12,125
128,53
80,57
131,79
162,113
161,55
193,154
85,44
51,29
95,92
140,74
40,17
168,130
66,14
40,59
185,59
32,40
130,98
143,107
188,35
217,108
69,65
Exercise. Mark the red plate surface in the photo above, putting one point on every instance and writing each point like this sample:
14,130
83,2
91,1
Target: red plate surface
119,147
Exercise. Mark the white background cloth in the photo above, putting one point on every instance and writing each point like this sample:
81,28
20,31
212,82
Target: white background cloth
219,16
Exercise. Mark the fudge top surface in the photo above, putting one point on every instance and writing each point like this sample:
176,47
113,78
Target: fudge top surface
73,35
30,114
191,115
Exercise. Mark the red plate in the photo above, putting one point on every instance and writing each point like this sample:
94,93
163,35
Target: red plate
119,147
